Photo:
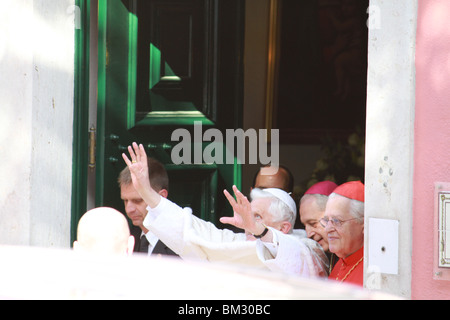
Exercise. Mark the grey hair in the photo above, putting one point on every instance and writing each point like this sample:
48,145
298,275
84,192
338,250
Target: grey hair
356,207
278,209
321,200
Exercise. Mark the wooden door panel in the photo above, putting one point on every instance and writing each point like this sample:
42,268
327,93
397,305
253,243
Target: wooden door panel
176,62
159,70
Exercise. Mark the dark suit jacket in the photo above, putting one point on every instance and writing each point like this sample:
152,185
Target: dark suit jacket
160,247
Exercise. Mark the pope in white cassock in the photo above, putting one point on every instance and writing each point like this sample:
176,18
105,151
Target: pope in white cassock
269,240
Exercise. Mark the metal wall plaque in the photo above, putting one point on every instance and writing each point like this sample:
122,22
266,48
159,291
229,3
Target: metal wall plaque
443,229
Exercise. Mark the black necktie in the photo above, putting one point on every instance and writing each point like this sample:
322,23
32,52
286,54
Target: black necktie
144,244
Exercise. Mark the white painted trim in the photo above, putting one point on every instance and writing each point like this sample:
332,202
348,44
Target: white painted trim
390,134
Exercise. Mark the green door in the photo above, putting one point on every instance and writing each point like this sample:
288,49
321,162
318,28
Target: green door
166,65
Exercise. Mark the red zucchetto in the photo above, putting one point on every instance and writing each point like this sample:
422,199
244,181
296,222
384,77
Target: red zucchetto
324,188
352,190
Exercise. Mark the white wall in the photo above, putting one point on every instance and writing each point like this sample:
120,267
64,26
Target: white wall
390,138
36,126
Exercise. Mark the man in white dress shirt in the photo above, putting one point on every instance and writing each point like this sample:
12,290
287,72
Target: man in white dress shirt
268,242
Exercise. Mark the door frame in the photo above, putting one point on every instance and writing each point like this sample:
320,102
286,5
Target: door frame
81,116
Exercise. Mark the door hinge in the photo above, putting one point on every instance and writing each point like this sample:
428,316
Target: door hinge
92,144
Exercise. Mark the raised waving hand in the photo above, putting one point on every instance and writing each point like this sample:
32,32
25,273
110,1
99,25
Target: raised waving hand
244,217
139,174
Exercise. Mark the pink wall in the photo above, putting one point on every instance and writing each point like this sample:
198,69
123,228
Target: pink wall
432,140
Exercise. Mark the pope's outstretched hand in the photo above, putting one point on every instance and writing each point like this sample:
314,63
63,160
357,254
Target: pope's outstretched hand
244,217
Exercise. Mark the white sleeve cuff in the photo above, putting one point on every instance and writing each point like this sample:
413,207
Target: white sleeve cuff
152,214
268,250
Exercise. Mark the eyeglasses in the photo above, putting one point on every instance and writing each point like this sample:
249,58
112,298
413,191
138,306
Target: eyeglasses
335,222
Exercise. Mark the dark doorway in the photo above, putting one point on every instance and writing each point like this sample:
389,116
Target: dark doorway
322,73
